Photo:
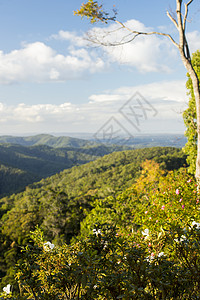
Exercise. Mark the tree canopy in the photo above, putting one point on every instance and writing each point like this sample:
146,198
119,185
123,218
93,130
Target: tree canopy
190,118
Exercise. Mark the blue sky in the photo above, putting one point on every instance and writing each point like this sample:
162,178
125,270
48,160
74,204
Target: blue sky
53,81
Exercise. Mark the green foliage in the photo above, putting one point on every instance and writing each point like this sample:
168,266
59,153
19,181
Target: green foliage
189,117
149,248
152,200
159,260
93,11
14,179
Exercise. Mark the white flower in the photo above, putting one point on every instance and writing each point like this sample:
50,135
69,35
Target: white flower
48,246
197,225
145,232
105,245
6,289
97,232
161,254
150,257
181,239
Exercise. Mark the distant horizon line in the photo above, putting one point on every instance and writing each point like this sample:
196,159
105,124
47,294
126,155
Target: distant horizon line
91,134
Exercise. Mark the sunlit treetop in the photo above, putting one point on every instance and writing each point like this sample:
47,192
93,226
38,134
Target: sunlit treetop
93,11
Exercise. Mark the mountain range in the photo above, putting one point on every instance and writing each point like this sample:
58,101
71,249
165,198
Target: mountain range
21,165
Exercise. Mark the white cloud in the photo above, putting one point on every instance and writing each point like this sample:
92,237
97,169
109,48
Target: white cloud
167,98
34,113
105,98
38,62
151,53
194,40
165,90
72,37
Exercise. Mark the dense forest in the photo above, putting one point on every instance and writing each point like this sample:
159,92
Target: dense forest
23,165
66,206
47,139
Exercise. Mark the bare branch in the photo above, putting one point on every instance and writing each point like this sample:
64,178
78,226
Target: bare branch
137,33
133,34
186,14
110,44
189,2
172,19
180,24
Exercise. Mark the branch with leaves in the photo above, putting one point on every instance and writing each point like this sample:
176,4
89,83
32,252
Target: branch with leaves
93,11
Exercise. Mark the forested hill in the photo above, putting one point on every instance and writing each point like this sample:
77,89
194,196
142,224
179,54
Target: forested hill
59,203
22,165
47,139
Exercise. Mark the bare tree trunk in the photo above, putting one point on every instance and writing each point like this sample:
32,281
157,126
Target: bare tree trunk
195,83
185,56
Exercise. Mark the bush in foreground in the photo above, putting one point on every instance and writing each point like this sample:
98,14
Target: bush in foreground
154,255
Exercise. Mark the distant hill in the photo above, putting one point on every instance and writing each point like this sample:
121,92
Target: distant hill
23,165
138,141
24,160
47,139
159,140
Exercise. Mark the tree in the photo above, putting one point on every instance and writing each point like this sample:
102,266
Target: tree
190,118
95,13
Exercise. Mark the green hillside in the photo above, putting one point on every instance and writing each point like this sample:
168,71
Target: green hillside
58,204
13,180
79,185
22,165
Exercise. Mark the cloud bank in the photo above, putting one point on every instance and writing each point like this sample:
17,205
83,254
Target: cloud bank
167,98
38,62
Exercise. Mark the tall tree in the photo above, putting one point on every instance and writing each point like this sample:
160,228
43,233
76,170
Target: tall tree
95,12
190,118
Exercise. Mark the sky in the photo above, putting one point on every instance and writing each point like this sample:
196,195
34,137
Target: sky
53,80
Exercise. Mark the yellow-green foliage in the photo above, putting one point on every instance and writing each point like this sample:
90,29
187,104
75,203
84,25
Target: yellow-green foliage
93,11
149,250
